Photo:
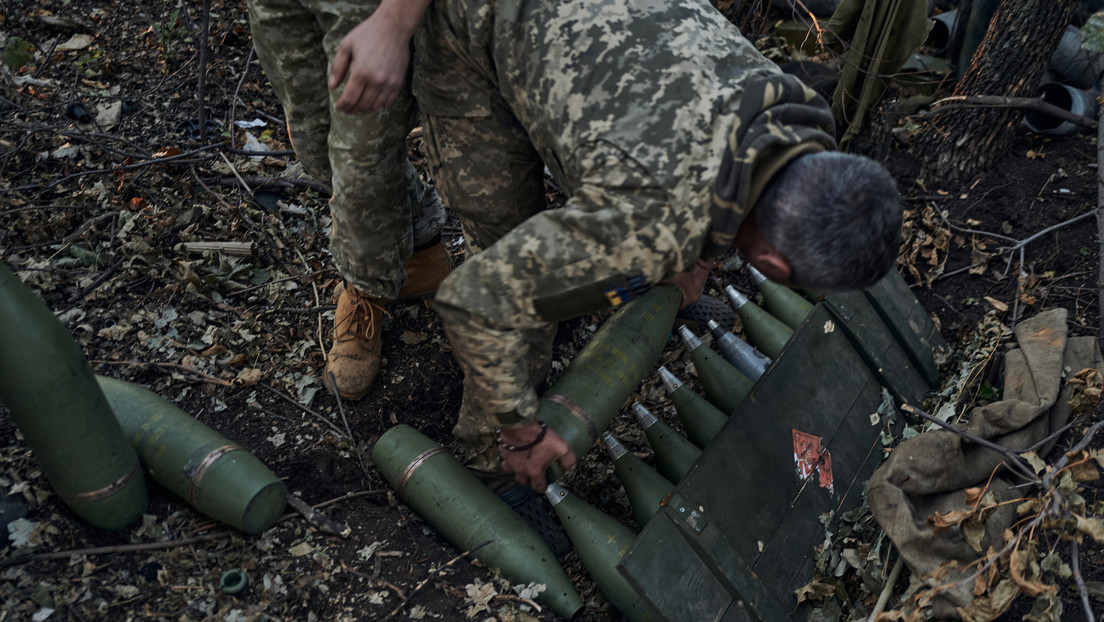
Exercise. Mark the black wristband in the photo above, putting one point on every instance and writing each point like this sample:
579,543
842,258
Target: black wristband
526,447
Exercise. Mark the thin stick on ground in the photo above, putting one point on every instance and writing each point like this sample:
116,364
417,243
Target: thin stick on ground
1100,222
998,101
338,432
439,572
107,550
883,598
1012,460
1075,566
348,429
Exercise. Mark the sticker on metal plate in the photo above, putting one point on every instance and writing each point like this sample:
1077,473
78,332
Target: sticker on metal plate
810,456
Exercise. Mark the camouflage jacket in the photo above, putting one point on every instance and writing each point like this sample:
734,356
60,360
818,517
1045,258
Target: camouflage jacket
670,84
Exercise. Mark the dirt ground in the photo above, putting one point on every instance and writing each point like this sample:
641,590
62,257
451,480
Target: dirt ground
98,229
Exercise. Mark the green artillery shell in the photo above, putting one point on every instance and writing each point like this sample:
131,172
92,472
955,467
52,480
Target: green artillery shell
467,514
675,455
644,487
724,385
701,419
601,542
215,475
581,404
740,353
765,331
56,403
783,303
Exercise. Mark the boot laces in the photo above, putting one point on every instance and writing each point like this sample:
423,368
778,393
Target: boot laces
361,317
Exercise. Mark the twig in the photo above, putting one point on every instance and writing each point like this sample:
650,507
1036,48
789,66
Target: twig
347,496
883,598
1054,509
1028,240
375,580
100,280
201,86
317,300
237,89
997,101
1051,437
1075,566
348,429
1013,461
264,182
1020,278
272,282
180,158
1100,223
518,599
234,170
106,550
321,521
440,571
313,413
208,189
202,377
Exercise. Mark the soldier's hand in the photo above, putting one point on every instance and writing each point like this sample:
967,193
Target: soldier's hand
372,61
692,282
528,451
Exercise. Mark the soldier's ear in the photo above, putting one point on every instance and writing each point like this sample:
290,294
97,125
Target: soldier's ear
772,264
767,259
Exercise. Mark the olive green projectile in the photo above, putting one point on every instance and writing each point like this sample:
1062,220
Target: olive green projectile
740,353
675,455
765,331
581,404
213,474
644,487
467,514
724,385
701,419
782,302
600,542
57,405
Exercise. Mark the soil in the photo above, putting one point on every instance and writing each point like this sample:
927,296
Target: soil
94,218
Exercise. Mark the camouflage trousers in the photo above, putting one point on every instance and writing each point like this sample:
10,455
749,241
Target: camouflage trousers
530,267
380,208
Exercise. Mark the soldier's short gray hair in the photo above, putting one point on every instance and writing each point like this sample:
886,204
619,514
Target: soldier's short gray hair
836,217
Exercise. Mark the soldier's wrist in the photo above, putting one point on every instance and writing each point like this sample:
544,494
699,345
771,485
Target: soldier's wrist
510,445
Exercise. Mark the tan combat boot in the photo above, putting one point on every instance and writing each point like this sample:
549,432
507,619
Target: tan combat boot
425,269
354,359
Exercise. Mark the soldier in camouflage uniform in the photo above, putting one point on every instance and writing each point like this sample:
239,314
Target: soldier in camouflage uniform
675,140
351,138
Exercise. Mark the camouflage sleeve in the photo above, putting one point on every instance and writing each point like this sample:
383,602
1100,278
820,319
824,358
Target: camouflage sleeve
618,234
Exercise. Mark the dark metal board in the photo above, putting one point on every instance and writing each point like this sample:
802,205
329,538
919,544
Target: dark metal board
745,522
909,321
879,345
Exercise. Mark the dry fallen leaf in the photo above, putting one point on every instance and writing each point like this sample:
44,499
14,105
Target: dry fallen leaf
996,304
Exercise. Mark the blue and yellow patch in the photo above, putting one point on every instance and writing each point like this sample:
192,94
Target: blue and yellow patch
620,293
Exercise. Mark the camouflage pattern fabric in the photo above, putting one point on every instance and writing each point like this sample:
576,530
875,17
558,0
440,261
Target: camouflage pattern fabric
779,118
630,106
381,210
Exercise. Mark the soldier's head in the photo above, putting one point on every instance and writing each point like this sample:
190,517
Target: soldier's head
827,221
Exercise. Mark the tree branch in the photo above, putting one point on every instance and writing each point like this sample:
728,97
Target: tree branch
997,101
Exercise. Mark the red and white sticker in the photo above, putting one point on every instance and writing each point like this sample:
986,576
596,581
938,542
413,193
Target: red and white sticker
812,457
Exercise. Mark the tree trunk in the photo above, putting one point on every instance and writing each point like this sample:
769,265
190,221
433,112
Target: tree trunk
959,143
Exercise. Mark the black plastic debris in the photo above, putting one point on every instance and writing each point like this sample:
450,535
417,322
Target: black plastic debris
78,113
190,128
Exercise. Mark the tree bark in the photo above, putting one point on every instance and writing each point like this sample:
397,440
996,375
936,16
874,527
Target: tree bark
959,143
